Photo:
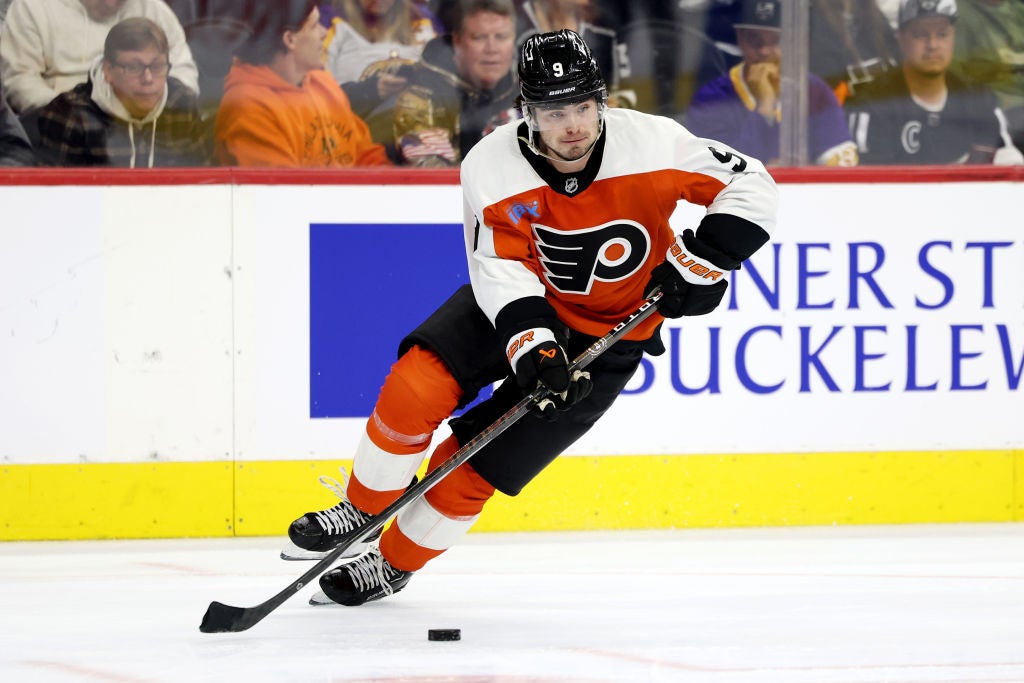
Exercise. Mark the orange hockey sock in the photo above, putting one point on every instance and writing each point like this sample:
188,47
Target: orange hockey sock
418,394
434,523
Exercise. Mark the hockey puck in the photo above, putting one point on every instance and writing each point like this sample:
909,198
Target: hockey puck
444,634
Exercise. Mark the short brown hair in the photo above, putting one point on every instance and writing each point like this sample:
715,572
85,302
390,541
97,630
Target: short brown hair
467,8
134,33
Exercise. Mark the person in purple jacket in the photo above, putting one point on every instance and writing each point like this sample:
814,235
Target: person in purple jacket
742,107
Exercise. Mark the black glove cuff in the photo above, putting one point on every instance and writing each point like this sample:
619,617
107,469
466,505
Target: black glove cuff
527,313
707,252
731,235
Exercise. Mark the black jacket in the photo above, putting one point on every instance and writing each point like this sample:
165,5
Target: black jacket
889,127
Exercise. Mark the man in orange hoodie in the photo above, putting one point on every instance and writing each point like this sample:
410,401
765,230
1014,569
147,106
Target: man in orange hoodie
281,108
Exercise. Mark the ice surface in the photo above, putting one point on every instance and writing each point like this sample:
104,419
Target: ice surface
830,604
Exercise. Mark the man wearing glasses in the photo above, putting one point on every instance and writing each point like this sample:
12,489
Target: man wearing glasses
48,46
129,113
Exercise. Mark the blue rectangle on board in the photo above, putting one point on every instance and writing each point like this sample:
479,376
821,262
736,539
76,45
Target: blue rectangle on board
369,286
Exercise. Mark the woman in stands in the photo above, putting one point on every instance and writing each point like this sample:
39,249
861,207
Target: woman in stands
371,40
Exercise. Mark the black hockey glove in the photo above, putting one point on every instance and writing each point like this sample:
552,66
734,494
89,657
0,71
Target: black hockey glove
537,356
692,277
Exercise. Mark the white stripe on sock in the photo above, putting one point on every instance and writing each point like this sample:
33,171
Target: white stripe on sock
379,470
426,527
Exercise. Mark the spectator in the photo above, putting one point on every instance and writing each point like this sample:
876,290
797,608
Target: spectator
851,43
461,89
15,149
742,108
922,113
281,108
423,8
990,50
370,40
129,113
372,46
48,46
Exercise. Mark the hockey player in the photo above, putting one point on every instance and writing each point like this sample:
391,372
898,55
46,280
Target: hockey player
567,226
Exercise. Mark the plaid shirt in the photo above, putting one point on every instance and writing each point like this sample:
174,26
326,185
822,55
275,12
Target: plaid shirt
74,131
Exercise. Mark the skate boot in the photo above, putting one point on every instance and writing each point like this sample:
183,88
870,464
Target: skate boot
367,578
315,534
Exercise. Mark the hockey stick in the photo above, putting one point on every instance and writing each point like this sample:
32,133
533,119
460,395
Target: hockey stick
220,618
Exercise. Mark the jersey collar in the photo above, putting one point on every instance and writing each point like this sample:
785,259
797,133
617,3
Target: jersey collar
569,184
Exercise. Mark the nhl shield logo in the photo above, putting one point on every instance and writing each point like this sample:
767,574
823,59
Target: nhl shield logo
571,185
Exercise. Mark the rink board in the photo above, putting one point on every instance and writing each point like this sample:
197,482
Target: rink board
185,359
169,500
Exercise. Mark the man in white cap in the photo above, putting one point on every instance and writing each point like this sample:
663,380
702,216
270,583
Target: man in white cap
921,113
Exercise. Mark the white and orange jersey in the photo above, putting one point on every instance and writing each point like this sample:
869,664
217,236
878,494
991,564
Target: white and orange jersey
588,241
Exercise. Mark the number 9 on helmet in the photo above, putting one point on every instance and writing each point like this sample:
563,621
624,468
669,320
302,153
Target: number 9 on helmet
557,69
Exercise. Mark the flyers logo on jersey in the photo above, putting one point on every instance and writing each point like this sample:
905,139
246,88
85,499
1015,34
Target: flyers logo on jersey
574,260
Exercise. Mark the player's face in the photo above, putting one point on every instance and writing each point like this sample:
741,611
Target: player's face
569,132
759,45
138,78
927,45
101,10
484,49
307,43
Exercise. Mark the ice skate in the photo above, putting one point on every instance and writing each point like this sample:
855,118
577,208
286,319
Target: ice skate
315,534
365,579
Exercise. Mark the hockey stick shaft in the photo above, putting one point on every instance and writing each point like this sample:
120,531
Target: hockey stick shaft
220,618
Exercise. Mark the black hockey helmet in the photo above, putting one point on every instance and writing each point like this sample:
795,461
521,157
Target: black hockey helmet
557,68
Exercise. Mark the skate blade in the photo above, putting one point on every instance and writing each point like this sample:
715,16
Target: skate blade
320,599
294,553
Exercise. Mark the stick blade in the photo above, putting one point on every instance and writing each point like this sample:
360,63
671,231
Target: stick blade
221,618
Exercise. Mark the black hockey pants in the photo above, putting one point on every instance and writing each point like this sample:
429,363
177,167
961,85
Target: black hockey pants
464,339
